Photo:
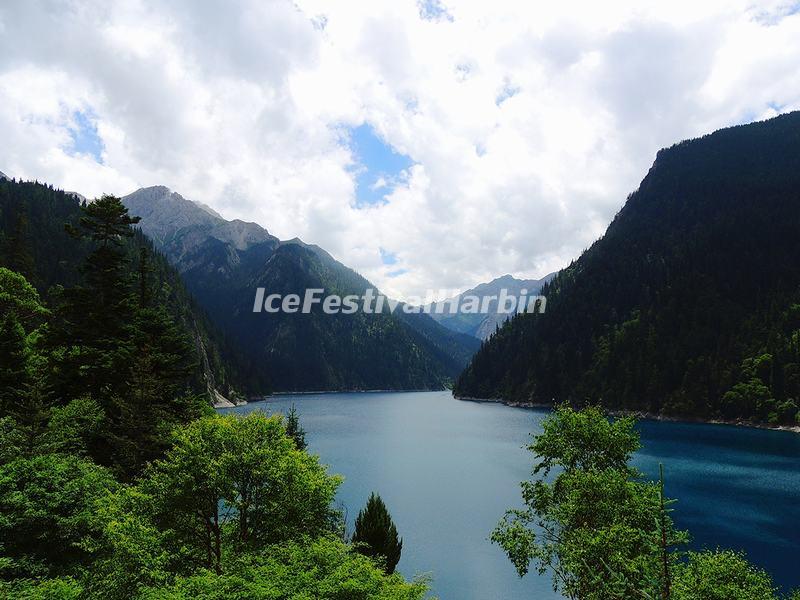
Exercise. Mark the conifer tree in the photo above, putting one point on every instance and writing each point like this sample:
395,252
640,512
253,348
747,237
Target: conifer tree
144,271
376,535
13,372
93,328
294,430
19,254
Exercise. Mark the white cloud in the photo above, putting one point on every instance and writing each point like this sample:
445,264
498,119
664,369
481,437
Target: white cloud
528,123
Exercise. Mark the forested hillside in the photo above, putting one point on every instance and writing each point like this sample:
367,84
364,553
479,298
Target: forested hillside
117,480
224,262
689,304
35,243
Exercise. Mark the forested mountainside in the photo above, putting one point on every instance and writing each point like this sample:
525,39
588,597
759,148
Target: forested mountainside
224,262
482,325
689,305
117,480
35,243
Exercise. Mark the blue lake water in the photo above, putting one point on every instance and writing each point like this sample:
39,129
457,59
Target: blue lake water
448,470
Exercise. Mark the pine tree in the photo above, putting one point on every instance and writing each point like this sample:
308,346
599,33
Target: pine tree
294,430
144,271
19,251
376,535
93,326
13,371
106,222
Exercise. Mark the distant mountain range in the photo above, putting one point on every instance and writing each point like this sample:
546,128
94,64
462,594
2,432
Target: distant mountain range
482,325
224,262
689,305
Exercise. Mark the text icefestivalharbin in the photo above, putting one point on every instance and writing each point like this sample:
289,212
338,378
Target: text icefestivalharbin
373,302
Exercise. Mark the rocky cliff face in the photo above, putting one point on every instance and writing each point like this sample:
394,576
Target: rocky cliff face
179,225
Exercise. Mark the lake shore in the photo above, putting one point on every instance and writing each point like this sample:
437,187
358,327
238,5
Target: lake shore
644,415
321,392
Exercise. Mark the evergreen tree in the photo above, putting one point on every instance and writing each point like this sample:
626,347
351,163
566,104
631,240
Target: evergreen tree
375,534
106,222
58,259
157,397
13,363
144,272
18,250
294,430
93,328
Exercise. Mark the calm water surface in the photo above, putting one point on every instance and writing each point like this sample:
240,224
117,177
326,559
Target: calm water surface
448,469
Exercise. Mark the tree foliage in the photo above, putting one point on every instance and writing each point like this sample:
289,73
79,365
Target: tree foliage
321,568
596,527
47,514
237,482
375,534
722,575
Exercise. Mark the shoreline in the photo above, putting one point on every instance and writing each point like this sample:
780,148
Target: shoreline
266,397
639,415
643,416
322,392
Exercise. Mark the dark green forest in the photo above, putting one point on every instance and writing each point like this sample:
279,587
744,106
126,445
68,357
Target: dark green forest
117,480
35,243
689,305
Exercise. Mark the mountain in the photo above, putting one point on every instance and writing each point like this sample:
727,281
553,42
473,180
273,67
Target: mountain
689,305
224,262
482,325
34,242
3,176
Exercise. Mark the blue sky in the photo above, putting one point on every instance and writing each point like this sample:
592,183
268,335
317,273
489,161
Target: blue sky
433,10
379,167
389,259
84,138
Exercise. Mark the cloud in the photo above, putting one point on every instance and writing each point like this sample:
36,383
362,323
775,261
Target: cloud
504,137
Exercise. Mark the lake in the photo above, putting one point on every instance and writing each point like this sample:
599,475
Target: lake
448,469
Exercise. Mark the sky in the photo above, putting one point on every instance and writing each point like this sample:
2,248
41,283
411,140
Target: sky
428,145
